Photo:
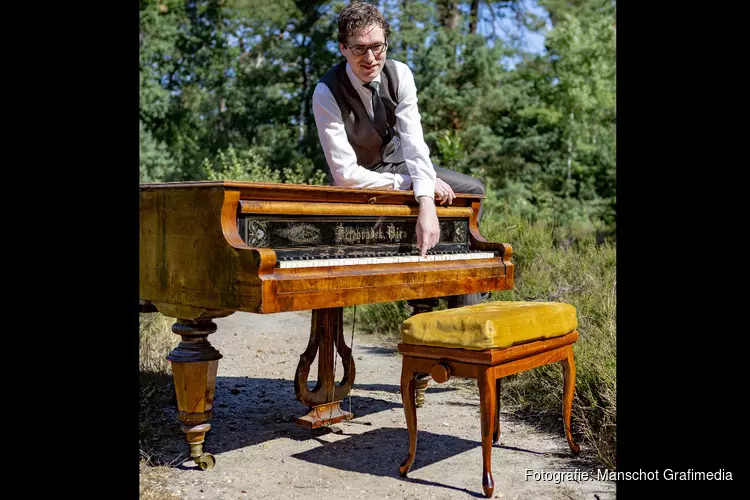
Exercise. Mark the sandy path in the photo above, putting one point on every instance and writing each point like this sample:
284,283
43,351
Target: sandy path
261,453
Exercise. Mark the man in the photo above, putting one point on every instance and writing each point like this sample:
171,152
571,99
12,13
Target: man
369,125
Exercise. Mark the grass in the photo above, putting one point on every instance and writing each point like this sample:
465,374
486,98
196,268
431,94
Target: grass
552,264
154,483
156,389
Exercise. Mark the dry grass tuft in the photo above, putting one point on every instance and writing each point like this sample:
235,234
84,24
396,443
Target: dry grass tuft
156,389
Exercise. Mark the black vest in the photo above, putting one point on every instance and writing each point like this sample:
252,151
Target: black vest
369,147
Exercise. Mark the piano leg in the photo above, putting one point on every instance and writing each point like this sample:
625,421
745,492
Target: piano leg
422,379
326,333
194,364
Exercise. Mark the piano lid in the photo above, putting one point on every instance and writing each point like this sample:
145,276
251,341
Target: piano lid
307,192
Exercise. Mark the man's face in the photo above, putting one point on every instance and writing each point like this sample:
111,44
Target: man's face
368,65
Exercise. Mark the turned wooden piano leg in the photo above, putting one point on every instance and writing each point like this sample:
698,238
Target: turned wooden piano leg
326,340
194,365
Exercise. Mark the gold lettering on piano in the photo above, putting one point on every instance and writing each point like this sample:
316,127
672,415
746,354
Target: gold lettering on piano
391,231
396,234
356,234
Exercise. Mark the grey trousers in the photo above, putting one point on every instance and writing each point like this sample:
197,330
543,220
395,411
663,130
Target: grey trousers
459,183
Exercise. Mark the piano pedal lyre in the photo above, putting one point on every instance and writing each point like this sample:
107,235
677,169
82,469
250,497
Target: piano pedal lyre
324,400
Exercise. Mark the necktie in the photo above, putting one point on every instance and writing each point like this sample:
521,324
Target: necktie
379,122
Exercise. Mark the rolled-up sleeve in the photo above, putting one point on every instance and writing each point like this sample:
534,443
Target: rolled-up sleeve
409,127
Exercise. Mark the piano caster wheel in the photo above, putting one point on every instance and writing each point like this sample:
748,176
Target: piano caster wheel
206,461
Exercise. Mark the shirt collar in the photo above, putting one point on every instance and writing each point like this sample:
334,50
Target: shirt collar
356,82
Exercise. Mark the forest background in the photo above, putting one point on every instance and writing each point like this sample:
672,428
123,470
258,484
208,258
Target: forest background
520,94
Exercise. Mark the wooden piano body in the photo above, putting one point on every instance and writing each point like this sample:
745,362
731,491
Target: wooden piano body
210,248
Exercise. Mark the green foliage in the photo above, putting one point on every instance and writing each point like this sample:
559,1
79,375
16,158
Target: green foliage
451,150
241,73
552,140
251,167
156,161
231,166
383,319
553,265
304,172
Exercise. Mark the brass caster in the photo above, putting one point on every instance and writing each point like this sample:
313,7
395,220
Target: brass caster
206,461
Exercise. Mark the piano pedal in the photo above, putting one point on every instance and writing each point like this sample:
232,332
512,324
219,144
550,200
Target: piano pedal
325,414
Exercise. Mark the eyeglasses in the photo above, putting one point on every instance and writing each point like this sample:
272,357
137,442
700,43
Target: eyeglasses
360,50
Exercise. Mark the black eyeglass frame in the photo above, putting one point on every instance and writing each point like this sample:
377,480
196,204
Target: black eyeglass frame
360,50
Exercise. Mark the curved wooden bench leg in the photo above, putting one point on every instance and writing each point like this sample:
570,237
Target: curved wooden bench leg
496,433
408,398
487,404
569,377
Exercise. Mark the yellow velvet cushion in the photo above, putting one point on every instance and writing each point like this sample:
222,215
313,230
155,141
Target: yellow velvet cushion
491,325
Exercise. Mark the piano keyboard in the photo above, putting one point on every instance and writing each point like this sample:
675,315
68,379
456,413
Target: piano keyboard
289,262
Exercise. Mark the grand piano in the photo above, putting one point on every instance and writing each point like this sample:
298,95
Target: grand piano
211,248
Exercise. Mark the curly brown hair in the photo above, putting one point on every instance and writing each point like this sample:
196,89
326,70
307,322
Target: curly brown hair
359,15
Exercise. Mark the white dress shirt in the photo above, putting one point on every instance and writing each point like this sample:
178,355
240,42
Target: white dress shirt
340,155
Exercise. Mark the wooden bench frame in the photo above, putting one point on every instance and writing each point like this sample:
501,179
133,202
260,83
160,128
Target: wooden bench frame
487,367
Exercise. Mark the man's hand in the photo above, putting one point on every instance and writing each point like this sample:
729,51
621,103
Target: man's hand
443,192
428,228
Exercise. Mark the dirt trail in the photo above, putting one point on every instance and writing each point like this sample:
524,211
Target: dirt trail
261,453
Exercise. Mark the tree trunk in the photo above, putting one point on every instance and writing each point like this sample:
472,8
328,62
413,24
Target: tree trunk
474,17
303,101
404,45
570,146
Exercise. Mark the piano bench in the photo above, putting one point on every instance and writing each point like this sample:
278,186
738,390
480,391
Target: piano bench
487,342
